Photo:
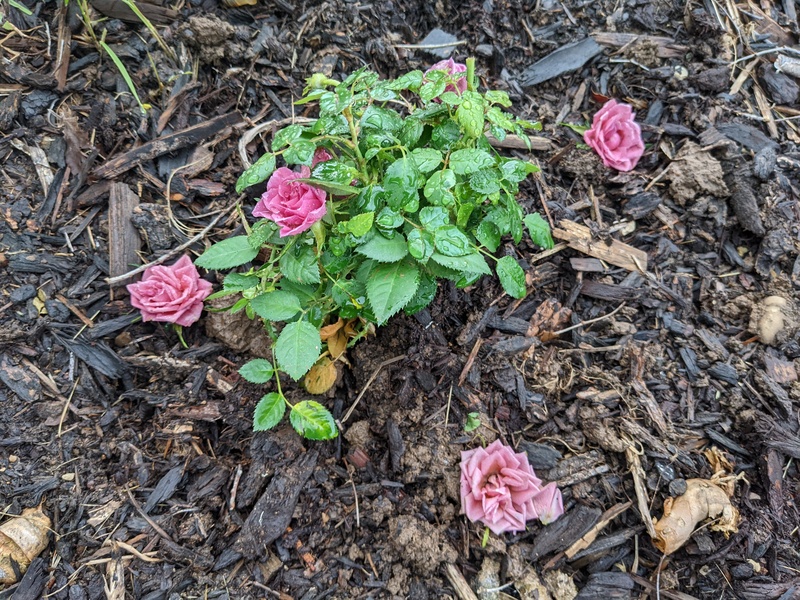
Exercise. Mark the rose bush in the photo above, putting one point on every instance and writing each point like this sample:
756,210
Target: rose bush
616,136
451,67
171,294
499,488
293,205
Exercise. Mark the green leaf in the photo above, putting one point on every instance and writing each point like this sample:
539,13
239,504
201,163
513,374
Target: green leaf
401,182
512,277
258,172
410,81
336,189
331,125
237,282
390,287
464,213
276,306
301,152
470,160
420,244
383,249
437,188
426,292
432,89
411,132
269,411
227,254
299,264
500,119
451,242
498,97
360,224
485,182
261,232
313,421
286,136
332,171
258,370
470,114
539,230
427,159
445,135
488,234
473,422
450,98
433,217
297,348
389,219
381,119
516,170
470,263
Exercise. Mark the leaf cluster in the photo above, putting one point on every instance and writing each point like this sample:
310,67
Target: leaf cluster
416,193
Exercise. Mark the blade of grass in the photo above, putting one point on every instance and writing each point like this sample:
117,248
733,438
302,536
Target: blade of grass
167,50
20,7
125,75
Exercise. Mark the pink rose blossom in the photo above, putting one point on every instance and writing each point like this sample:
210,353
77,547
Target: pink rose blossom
452,68
499,488
172,294
320,155
615,136
293,205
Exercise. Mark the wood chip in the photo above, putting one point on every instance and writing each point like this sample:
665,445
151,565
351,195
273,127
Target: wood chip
123,238
616,253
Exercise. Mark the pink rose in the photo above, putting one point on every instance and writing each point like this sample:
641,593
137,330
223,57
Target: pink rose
173,294
320,155
499,488
293,205
615,136
452,68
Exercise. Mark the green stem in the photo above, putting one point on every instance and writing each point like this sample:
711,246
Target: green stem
278,384
471,74
348,114
486,253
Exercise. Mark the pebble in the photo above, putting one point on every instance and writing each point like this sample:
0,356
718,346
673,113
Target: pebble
22,293
36,102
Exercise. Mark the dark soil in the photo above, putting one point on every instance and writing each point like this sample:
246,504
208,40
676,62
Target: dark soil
142,452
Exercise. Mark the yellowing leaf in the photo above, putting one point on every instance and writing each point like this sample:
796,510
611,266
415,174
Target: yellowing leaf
321,377
337,344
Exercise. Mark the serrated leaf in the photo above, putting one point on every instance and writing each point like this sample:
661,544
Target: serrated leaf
427,159
258,370
269,411
233,252
410,81
332,171
470,263
383,249
401,182
426,292
297,348
300,265
256,173
450,241
360,224
301,152
432,89
261,232
470,114
313,421
470,160
498,97
437,188
420,244
276,306
390,287
539,230
433,217
516,170
486,181
389,219
473,422
512,277
286,136
488,234
381,119
237,282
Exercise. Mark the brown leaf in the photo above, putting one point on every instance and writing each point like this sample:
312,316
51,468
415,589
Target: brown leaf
21,540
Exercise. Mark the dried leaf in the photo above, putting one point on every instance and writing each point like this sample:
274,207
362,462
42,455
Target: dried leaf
337,344
22,539
702,500
321,377
331,330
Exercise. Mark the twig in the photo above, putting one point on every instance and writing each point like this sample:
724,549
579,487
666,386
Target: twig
430,46
145,516
174,251
249,135
385,363
590,321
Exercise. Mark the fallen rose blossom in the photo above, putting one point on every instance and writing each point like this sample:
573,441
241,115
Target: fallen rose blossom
452,67
293,205
171,294
616,136
500,489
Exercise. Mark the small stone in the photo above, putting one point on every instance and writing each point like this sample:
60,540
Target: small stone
68,477
764,162
677,487
22,293
36,102
782,88
437,37
12,458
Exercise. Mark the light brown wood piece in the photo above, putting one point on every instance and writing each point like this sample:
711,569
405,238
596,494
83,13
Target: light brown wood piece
617,253
123,239
460,585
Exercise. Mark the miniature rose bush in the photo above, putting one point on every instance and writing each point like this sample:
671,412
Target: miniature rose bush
500,489
172,294
394,187
616,136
